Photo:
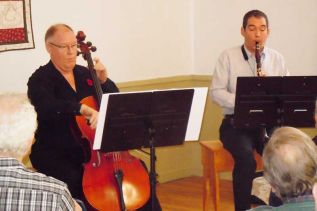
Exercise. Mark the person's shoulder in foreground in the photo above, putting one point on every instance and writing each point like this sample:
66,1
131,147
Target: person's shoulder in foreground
20,188
290,166
32,189
303,206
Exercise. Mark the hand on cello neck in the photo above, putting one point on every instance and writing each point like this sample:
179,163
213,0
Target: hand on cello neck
101,70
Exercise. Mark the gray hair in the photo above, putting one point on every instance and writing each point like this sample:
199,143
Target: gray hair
52,30
290,162
17,123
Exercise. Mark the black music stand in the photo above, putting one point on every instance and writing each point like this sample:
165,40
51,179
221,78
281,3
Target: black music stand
275,101
299,100
146,119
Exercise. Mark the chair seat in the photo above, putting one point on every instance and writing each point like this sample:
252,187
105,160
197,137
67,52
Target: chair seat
215,159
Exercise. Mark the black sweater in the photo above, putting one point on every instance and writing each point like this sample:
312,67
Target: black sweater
56,104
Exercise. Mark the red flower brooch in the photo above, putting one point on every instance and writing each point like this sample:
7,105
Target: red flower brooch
89,82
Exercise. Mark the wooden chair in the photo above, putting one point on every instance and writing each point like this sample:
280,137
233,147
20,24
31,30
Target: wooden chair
216,159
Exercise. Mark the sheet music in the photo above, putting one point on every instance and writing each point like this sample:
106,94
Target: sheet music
101,121
195,116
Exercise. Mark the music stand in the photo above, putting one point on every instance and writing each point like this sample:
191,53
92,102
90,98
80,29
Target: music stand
256,104
298,101
275,101
145,119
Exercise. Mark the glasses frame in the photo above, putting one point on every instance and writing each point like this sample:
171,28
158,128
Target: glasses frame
65,47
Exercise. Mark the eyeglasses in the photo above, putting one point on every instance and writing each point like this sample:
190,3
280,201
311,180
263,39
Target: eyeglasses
65,47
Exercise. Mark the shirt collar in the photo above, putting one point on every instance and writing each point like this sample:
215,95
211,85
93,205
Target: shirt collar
306,197
7,162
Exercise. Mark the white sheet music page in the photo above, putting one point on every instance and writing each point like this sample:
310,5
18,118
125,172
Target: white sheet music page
101,121
196,114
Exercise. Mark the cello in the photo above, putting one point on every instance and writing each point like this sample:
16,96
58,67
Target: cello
114,181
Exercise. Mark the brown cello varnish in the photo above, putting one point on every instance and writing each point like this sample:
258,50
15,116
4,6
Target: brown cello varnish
99,183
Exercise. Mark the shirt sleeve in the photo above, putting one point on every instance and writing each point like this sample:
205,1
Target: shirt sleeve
42,95
66,201
278,64
285,70
219,89
109,86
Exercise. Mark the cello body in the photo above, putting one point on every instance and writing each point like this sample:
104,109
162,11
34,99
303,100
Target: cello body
100,185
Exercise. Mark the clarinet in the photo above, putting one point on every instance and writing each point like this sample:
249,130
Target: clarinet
258,59
260,74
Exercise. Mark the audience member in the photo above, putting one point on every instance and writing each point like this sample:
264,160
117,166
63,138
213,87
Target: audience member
21,188
290,165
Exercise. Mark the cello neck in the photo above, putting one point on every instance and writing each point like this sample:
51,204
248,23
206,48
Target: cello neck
95,79
85,50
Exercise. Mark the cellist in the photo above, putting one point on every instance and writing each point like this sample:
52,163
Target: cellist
55,90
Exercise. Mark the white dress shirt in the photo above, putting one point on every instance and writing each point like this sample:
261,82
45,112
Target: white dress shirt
232,64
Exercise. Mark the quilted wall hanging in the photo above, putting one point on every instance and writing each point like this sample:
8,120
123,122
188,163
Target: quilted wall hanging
15,25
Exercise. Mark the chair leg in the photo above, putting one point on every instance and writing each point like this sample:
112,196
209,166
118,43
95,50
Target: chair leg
206,194
215,189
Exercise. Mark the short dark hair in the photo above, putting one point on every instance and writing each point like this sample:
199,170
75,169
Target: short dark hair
254,13
52,29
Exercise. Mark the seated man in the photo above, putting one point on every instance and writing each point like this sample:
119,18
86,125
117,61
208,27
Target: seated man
290,165
20,188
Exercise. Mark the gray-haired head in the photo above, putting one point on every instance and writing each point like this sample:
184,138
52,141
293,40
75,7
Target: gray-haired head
290,162
17,124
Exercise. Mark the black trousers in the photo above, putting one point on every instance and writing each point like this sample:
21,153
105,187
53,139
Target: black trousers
241,144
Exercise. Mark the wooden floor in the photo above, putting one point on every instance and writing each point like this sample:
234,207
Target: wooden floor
186,195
